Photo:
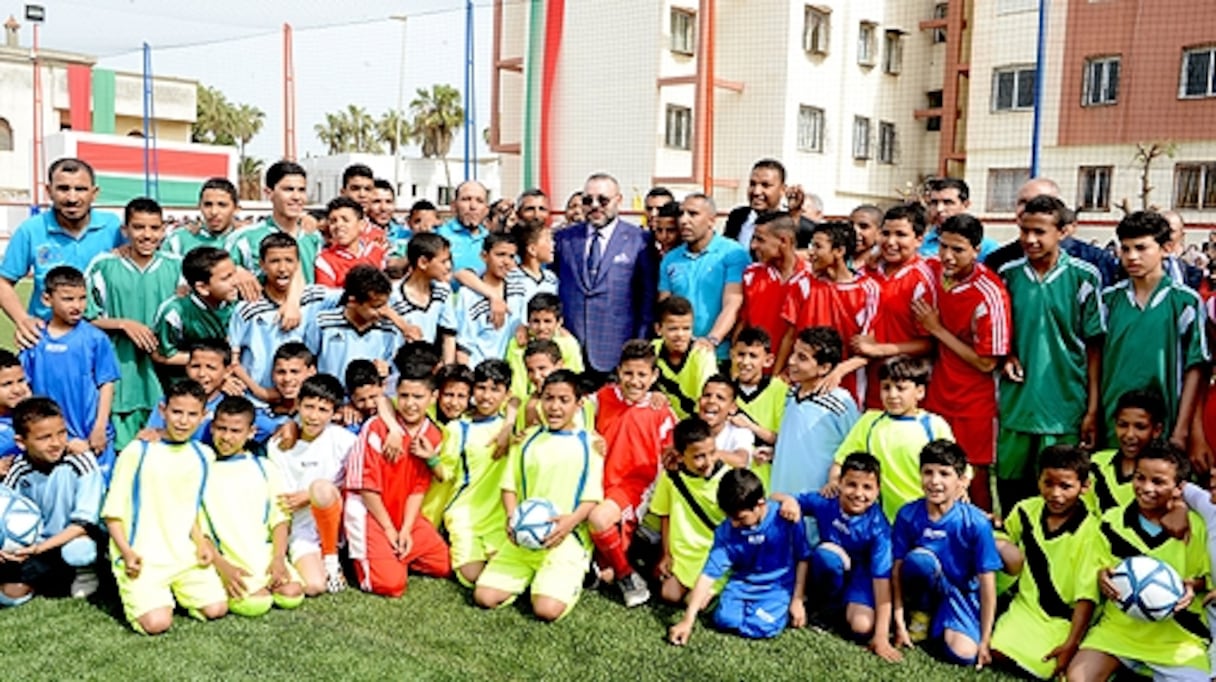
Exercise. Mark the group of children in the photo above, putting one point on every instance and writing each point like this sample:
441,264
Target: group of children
238,455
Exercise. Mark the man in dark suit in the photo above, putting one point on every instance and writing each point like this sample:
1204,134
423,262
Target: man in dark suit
765,189
608,270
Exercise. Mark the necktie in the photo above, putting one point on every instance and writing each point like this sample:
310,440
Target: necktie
594,255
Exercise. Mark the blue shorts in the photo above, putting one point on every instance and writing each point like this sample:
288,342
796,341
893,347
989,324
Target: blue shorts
952,608
753,616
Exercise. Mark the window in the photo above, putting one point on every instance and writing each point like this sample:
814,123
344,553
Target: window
1093,187
940,10
934,123
810,129
1012,6
678,134
893,53
886,142
444,195
1003,184
867,43
816,30
1195,185
6,136
683,31
861,137
1101,81
1199,72
1013,88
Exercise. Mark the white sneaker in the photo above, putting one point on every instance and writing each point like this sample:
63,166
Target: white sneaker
634,589
335,581
84,584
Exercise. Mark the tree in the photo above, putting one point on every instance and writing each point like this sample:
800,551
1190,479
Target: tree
351,130
333,133
213,118
394,130
247,122
1146,154
437,116
250,170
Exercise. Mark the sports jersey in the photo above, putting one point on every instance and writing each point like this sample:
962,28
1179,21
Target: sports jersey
522,281
255,333
1176,641
701,278
334,262
1059,571
976,311
684,382
322,459
764,295
734,438
121,290
848,307
1151,346
8,437
465,245
1053,318
688,536
474,330
866,537
636,434
761,559
1109,488
436,318
336,341
811,431
893,319
583,419
961,540
896,441
183,239
245,244
764,403
521,387
241,509
368,470
180,320
559,466
473,506
67,492
264,423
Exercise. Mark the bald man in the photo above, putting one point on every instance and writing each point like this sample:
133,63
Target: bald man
1174,266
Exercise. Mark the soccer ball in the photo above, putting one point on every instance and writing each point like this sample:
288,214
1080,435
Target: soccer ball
1149,589
20,520
532,522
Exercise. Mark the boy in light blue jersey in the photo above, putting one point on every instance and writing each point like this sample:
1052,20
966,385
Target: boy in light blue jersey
476,334
534,246
360,328
424,298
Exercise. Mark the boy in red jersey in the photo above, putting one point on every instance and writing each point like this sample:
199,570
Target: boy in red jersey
766,283
972,328
636,433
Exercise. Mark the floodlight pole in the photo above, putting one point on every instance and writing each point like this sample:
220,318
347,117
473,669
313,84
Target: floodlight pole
400,112
36,14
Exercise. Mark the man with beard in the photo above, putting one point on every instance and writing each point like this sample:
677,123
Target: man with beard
765,189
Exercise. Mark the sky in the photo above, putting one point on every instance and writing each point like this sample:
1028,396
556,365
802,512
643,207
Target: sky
345,52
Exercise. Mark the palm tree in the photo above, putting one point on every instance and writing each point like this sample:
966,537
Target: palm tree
437,116
250,171
334,133
393,129
213,117
247,122
362,130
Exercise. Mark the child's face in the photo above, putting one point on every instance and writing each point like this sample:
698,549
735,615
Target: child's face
559,403
1061,489
542,248
67,303
823,256
280,266
368,312
423,221
676,332
289,196
1040,236
1155,484
543,324
767,246
866,228
1134,429
46,440
230,433
802,366
182,414
901,397
366,399
145,232
500,260
701,457
454,399
858,491
749,362
488,397
361,190
635,377
957,255
899,241
221,286
940,482
750,518
288,374
717,404
1140,256
438,268
413,399
217,208
344,227
666,233
539,366
208,368
315,414
13,386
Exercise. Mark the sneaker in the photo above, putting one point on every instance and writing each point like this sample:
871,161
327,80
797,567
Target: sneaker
334,580
918,626
591,580
84,584
634,589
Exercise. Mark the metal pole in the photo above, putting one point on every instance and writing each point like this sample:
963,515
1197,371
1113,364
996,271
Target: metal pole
400,112
1040,68
468,84
36,178
147,122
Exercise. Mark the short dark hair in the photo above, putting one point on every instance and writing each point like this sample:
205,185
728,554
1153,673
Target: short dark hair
454,373
492,369
357,170
33,409
324,387
340,202
527,233
739,490
426,245
419,351
966,226
547,347
660,192
565,376
754,336
1045,204
411,370
723,380
186,387
840,234
530,192
294,350
690,430
8,359
1163,450
222,185
944,453
875,212
200,261
778,221
277,240
281,169
69,164
943,184
381,183
63,276
672,306
862,462
904,368
141,205
421,205
363,281
212,344
771,164
236,405
670,209
545,302
494,239
825,342
1144,224
362,372
1147,399
1068,457
638,349
912,212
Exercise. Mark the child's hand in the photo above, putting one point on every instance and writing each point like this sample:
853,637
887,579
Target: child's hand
665,564
132,564
498,311
279,575
763,455
926,315
405,543
412,332
680,632
902,639
348,415
1105,586
233,386
6,463
287,434
205,554
250,289
77,446
233,578
790,510
984,656
671,459
830,382
883,649
294,502
797,614
1013,370
1188,596
864,344
421,448
658,400
1063,656
140,335
393,444
830,490
1175,521
97,437
561,528
521,335
382,367
148,435
10,557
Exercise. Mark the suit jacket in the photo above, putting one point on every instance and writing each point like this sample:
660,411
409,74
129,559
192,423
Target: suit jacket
738,216
1107,265
619,304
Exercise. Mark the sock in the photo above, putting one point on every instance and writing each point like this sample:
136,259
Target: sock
608,542
329,521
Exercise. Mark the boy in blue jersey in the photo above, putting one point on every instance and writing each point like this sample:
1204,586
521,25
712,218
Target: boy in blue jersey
13,389
476,334
424,298
67,488
851,565
766,558
361,328
945,563
74,364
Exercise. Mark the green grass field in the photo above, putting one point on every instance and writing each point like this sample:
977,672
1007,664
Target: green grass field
6,325
433,633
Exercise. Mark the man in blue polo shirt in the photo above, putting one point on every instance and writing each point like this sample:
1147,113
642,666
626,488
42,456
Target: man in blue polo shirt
466,231
707,269
71,233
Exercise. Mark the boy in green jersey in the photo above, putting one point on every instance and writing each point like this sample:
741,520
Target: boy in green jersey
684,367
204,313
218,204
287,190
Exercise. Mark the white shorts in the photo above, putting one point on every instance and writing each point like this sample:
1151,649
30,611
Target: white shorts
304,539
1164,673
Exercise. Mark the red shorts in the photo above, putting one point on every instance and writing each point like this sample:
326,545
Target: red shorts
633,499
977,437
382,572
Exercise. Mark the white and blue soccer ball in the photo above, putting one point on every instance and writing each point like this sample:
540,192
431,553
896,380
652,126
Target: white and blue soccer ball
1149,588
533,521
20,520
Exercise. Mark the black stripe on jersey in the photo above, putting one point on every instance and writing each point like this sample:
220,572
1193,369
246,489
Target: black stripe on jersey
255,308
1131,519
1119,546
18,471
672,389
1036,559
755,393
831,403
313,294
331,319
1106,498
81,464
1192,623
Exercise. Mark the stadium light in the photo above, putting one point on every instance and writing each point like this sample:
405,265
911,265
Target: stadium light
35,13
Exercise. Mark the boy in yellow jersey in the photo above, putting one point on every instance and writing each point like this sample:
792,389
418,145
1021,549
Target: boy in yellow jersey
455,382
245,523
160,558
687,502
684,366
760,396
544,322
1139,420
563,464
542,358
